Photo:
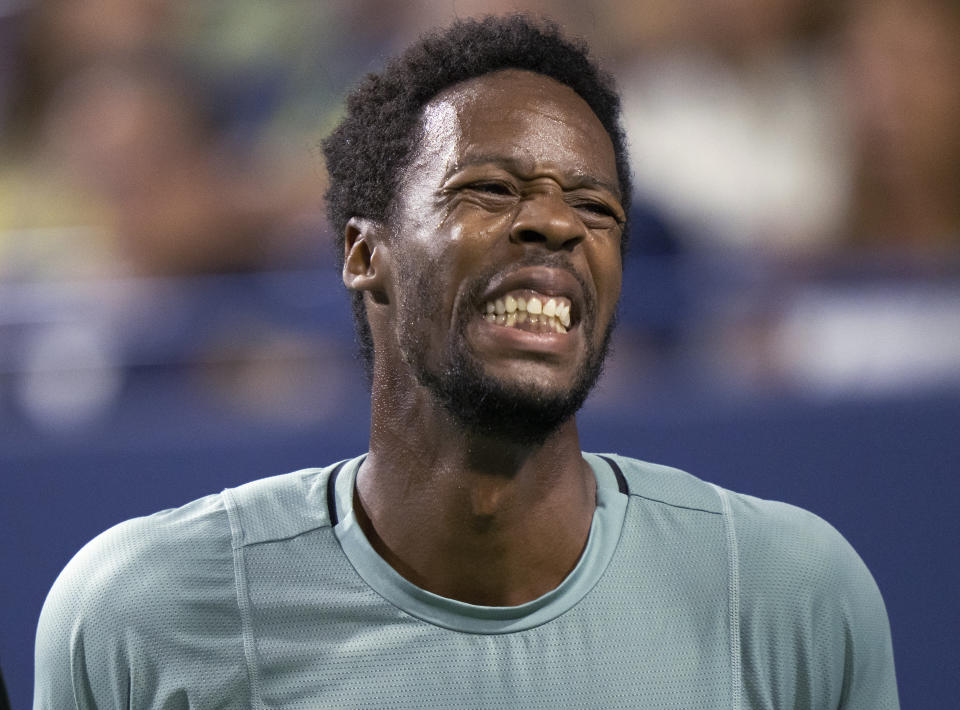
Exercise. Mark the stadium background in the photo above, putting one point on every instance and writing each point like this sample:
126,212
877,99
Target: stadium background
171,320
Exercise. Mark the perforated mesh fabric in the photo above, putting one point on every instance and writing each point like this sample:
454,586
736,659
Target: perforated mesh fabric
146,616
247,599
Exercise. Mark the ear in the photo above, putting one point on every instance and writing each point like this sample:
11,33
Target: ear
364,256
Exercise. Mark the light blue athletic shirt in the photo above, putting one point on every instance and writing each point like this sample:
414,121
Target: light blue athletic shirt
269,596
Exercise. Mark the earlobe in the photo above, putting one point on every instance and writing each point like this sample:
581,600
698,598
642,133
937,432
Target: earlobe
363,259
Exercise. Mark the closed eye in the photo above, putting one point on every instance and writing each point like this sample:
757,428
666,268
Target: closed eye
597,208
491,188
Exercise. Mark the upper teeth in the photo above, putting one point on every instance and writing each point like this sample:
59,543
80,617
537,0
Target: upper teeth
551,306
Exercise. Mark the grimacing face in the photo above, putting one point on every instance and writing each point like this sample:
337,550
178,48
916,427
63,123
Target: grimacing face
505,249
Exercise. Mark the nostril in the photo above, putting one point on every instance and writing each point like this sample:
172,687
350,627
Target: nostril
530,235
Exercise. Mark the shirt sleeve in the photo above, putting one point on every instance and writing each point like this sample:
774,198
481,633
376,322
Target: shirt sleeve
138,611
814,628
80,654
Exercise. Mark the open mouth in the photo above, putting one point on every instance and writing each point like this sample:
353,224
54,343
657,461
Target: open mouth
529,311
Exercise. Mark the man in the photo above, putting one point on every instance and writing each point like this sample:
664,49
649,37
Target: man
474,557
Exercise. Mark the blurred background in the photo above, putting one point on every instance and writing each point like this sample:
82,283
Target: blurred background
171,319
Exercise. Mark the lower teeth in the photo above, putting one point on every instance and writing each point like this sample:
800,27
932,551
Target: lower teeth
532,323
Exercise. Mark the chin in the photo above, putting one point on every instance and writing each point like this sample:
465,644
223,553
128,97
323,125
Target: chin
501,408
519,403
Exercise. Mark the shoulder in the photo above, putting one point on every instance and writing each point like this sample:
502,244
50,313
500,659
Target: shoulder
129,594
144,558
812,626
149,589
665,484
787,551
808,606
768,534
138,572
281,506
170,555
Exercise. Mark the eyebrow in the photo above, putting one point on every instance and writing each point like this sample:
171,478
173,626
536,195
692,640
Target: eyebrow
522,167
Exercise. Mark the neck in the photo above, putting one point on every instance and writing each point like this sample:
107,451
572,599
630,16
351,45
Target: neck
467,516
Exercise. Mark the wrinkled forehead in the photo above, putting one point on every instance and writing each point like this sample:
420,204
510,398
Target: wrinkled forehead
527,118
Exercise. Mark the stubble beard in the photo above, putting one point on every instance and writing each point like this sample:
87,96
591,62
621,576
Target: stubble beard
516,413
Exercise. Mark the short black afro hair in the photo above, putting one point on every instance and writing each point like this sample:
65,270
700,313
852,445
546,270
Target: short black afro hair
368,151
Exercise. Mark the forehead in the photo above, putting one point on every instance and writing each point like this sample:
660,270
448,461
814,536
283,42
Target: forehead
518,117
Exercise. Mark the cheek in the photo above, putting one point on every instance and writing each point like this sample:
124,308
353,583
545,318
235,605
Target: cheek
607,268
469,237
466,222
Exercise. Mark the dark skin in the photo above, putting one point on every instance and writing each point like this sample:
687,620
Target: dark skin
512,165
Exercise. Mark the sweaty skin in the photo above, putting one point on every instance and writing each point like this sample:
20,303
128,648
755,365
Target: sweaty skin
513,193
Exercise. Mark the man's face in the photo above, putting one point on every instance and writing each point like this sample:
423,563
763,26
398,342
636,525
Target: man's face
505,248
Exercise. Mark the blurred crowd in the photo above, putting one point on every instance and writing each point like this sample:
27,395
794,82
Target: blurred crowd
774,142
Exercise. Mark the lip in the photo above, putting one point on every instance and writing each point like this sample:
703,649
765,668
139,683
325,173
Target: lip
546,280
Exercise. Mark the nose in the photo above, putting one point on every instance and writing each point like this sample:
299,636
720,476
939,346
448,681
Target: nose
544,218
